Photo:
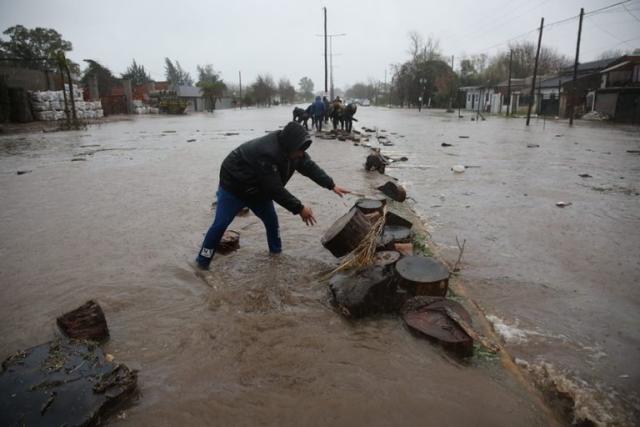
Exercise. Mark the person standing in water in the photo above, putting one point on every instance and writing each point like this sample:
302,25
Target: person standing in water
254,175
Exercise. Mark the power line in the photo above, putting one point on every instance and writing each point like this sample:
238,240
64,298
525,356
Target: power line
629,12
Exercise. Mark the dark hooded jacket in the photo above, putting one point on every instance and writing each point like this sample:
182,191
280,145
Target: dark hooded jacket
259,169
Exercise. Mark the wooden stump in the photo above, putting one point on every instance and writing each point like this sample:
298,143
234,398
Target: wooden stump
86,322
229,243
394,191
368,291
398,233
431,317
392,218
422,276
386,259
368,206
375,162
346,233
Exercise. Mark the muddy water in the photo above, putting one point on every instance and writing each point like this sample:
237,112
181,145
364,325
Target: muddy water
559,284
252,342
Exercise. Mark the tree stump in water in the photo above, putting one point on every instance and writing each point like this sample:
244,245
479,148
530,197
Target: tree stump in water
393,218
394,191
368,206
346,233
398,233
375,162
430,316
386,259
86,322
230,242
422,276
368,291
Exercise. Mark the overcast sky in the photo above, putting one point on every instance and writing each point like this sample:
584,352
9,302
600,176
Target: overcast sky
279,37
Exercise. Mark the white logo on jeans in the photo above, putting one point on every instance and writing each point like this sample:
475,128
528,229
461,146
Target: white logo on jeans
207,253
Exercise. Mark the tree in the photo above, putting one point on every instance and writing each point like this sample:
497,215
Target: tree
137,74
263,89
105,77
36,48
613,53
286,91
175,74
211,84
306,88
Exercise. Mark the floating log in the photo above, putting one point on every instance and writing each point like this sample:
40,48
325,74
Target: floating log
398,233
86,322
368,291
394,191
64,382
346,233
368,206
386,259
230,242
432,317
392,218
421,275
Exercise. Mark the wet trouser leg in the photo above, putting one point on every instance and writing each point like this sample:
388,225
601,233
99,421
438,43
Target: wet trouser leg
267,213
319,123
226,210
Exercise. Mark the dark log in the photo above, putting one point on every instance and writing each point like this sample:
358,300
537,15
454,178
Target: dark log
230,242
393,218
422,276
375,162
346,233
386,259
394,191
398,233
63,382
368,291
431,317
86,322
368,206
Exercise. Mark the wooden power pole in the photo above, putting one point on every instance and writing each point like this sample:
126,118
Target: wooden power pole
509,83
575,72
535,72
326,70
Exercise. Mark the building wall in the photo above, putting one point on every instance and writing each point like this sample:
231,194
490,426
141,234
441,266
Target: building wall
27,79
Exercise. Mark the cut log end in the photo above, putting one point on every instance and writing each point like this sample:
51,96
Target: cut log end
86,322
346,233
394,191
422,275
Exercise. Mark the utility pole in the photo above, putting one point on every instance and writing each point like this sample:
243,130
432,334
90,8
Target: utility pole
575,71
450,110
331,68
509,83
535,72
325,51
240,83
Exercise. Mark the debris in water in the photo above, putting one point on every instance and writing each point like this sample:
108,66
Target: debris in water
23,172
191,140
563,204
168,131
86,322
346,233
533,145
445,144
78,159
585,175
63,382
394,191
633,151
463,136
421,275
368,291
231,133
458,168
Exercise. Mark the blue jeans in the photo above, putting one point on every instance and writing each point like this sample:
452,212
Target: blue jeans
226,210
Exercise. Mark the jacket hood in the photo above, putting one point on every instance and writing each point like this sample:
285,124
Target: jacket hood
294,137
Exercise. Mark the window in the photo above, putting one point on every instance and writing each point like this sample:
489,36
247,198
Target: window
636,74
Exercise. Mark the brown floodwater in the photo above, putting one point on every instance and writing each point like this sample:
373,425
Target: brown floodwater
255,340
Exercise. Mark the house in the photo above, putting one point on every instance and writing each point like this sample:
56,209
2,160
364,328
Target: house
478,97
619,92
519,95
192,96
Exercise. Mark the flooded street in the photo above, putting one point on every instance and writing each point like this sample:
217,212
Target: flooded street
117,213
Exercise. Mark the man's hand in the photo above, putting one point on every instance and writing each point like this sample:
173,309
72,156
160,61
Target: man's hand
340,191
307,216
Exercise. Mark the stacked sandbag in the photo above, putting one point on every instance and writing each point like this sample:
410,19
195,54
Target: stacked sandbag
48,105
140,108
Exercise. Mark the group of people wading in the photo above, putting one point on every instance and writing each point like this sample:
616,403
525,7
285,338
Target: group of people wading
321,110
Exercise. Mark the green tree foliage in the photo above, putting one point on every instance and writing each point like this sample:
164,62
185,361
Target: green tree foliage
137,74
175,74
363,91
306,88
105,77
211,84
263,89
35,48
286,91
